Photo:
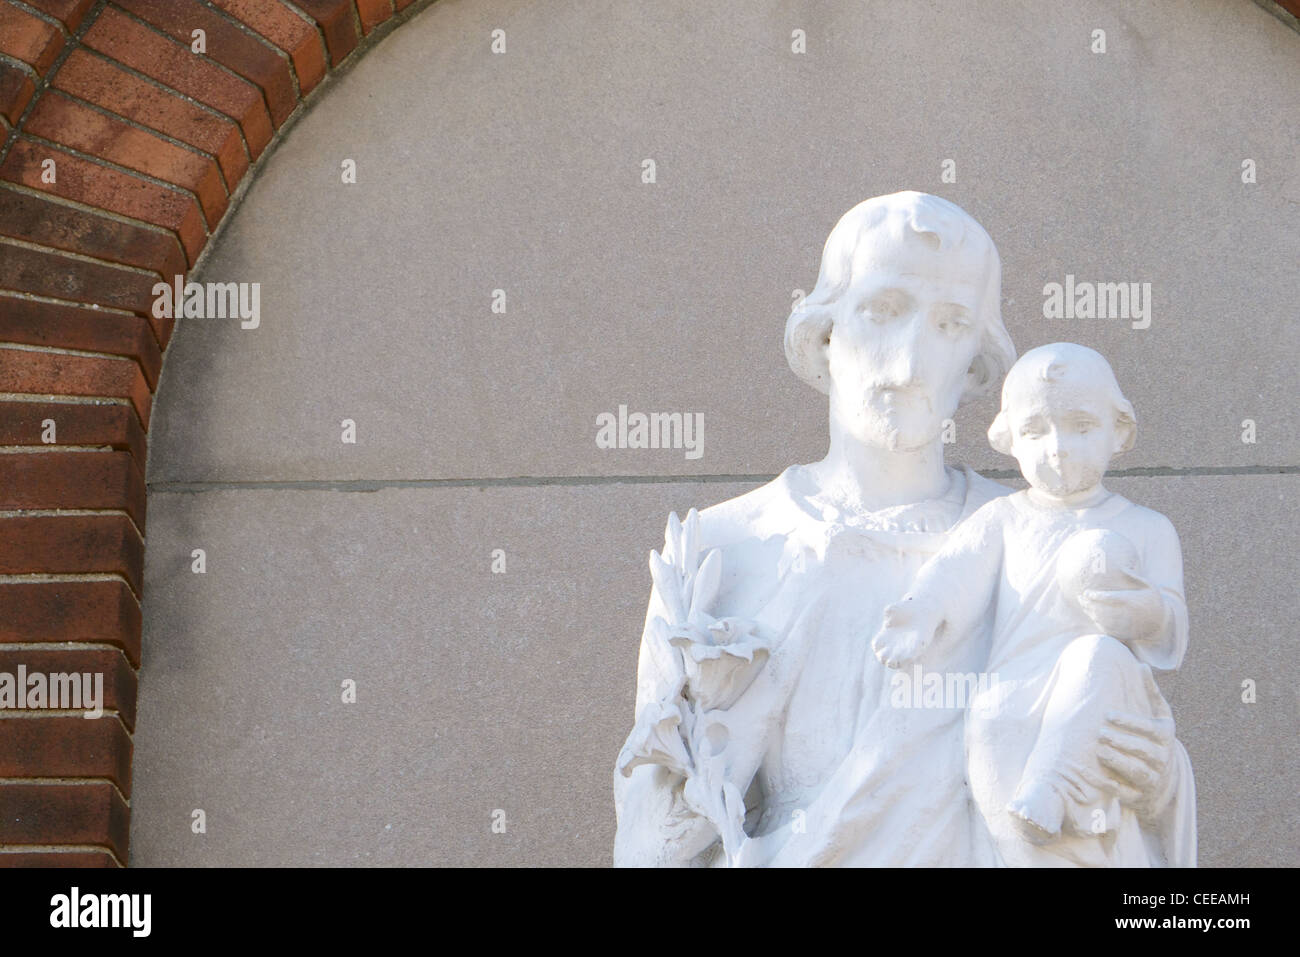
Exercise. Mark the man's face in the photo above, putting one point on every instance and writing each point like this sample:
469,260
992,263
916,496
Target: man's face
902,342
1062,434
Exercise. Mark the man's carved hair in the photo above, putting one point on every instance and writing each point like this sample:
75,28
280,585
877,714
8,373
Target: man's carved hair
943,227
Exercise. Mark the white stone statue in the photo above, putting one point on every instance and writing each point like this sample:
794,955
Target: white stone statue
767,731
1086,592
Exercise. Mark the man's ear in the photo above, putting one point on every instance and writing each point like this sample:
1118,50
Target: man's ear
807,346
1000,434
978,377
1125,434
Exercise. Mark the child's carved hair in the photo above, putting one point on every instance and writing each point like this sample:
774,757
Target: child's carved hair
1051,363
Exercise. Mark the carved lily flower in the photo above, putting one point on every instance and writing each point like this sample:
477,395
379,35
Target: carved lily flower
720,657
722,661
705,663
656,740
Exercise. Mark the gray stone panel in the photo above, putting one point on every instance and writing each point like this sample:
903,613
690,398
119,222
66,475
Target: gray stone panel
479,691
521,172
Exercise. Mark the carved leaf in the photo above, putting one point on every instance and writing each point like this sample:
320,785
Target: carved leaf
667,584
689,558
707,581
666,658
723,805
673,547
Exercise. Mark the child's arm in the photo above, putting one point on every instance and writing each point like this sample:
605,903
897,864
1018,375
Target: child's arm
1164,645
1146,610
951,593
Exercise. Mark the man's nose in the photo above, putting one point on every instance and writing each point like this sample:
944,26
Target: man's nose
906,349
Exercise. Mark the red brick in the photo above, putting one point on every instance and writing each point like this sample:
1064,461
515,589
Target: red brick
42,220
135,45
71,545
120,682
114,426
68,12
89,480
255,61
402,4
106,188
28,38
54,814
105,84
54,373
61,276
59,326
288,31
46,859
373,13
103,611
66,747
16,89
65,121
337,20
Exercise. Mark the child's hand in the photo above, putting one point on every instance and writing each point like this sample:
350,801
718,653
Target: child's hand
903,636
1099,569
1128,614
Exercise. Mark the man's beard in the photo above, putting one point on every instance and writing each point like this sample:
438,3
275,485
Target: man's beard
903,424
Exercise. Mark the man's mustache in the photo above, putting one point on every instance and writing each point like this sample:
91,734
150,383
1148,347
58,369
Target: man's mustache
911,390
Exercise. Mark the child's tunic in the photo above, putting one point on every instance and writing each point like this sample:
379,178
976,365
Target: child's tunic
1009,550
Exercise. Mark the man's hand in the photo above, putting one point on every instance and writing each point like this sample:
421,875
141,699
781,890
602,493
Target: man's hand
655,826
1137,752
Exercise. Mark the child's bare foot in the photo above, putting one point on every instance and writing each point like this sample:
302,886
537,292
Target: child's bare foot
1037,811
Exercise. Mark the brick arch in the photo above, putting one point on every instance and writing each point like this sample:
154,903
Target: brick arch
151,144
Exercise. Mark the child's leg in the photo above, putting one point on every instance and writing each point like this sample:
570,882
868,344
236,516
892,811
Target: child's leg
1064,785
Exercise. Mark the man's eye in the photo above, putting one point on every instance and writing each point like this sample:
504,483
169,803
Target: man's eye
880,310
951,322
883,308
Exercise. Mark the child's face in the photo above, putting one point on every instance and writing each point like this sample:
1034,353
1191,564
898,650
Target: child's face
1062,434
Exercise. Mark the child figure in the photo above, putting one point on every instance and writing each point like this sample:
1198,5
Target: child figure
1088,597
